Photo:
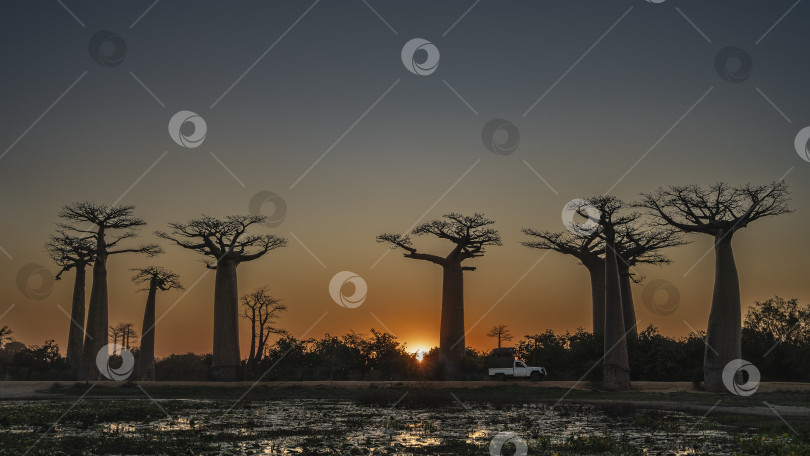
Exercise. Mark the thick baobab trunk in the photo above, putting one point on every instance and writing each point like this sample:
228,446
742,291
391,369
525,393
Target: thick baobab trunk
597,271
628,307
616,368
226,323
76,332
723,336
451,337
146,359
97,320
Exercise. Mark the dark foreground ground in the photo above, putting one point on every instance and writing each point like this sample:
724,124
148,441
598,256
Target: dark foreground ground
347,418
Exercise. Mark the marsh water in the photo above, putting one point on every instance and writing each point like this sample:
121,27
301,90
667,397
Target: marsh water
340,427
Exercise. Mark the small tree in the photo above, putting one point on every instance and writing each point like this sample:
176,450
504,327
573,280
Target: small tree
110,225
228,244
470,236
154,278
719,211
124,331
501,333
5,335
262,310
114,332
73,252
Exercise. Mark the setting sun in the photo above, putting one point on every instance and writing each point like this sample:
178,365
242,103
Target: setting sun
420,353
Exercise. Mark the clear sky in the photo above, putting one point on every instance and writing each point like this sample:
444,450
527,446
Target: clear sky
629,99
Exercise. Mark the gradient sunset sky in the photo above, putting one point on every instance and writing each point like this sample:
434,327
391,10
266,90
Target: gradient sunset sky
281,83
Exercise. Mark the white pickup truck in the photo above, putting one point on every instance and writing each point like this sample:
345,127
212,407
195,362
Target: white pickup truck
518,370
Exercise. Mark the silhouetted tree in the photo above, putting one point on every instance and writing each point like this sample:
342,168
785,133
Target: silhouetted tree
588,249
156,278
114,331
501,333
783,321
719,211
109,226
73,252
262,310
470,236
5,335
228,243
616,365
125,331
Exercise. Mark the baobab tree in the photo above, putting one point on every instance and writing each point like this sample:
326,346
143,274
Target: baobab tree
588,249
108,227
615,365
638,243
73,252
470,236
125,331
155,278
719,211
500,332
262,310
227,242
